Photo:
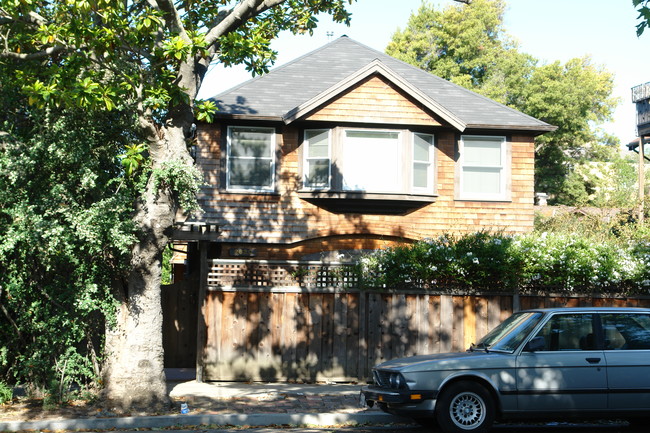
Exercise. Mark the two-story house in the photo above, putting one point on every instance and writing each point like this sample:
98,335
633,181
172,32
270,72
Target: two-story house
347,149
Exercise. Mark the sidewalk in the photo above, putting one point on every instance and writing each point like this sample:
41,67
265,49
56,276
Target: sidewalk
235,404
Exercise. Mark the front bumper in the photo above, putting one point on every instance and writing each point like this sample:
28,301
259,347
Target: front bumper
400,402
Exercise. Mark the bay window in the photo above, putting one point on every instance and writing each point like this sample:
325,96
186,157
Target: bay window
368,161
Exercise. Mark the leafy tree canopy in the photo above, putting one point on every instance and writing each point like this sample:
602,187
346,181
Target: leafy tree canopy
111,53
468,45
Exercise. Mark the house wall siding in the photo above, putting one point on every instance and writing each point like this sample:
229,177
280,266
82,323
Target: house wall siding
375,100
284,226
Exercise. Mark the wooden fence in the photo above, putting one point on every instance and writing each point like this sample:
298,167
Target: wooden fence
297,334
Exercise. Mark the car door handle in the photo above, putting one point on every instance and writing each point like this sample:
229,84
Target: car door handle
593,360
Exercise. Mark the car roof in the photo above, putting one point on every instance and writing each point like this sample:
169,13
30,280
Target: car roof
588,309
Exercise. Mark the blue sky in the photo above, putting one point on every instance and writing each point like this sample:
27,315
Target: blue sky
549,30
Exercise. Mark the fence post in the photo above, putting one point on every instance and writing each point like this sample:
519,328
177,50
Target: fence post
516,302
201,322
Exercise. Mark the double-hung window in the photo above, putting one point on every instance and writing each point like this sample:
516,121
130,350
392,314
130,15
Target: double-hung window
317,157
251,158
423,162
484,169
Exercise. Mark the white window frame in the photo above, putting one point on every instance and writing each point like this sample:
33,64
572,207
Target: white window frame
271,157
307,159
430,187
504,168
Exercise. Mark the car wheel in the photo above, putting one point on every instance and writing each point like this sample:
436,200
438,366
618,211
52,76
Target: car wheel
465,407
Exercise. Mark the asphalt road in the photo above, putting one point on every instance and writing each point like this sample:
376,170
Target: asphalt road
517,428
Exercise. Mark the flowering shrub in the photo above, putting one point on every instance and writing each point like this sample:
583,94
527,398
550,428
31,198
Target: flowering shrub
500,263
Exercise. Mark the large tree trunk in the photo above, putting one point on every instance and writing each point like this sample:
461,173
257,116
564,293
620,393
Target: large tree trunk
134,370
134,375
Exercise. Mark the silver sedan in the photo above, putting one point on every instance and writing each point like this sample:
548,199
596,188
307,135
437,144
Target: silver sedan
542,363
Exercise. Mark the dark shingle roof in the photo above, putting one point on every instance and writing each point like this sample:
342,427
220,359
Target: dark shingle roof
283,90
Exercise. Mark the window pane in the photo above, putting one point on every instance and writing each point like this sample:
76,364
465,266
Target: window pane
568,332
626,331
482,180
422,147
371,161
318,175
482,153
247,173
318,143
251,143
421,175
381,135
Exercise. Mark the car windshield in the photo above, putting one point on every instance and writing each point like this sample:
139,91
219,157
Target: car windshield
510,333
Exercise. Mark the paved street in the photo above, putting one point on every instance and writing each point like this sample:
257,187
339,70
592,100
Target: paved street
557,427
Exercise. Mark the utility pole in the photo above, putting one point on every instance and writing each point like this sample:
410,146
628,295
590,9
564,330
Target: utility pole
641,180
641,97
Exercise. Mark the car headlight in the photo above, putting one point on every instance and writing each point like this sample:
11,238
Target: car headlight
396,381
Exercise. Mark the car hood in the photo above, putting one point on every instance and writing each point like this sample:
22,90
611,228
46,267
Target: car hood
441,361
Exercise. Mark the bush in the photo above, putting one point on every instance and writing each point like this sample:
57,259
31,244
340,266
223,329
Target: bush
6,393
551,262
476,261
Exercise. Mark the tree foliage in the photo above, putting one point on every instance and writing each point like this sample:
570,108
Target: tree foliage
644,15
468,45
111,53
65,226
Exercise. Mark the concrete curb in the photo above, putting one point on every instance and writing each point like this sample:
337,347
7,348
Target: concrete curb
254,420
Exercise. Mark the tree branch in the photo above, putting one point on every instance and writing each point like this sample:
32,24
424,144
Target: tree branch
172,17
31,18
48,52
239,14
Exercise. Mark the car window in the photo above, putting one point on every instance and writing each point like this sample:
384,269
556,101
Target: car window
568,332
508,335
626,331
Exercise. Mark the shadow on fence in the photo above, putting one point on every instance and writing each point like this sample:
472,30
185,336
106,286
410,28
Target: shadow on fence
283,325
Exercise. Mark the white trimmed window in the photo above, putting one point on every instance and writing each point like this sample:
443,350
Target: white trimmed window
371,161
423,162
317,157
251,159
483,166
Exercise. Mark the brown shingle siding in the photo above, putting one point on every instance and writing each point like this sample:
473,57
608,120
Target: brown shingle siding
283,225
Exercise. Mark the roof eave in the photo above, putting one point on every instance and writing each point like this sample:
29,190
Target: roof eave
538,129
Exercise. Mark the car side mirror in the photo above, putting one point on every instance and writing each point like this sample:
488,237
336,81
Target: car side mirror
535,344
